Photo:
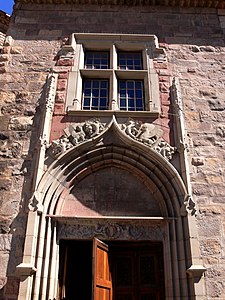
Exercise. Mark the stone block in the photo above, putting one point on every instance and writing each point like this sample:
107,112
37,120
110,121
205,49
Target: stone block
197,161
65,62
210,247
217,105
61,84
209,226
21,123
60,97
5,184
5,242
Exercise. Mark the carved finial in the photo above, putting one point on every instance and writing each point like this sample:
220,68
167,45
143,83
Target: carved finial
188,206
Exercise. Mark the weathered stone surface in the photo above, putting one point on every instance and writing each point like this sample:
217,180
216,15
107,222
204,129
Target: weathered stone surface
210,247
5,242
21,123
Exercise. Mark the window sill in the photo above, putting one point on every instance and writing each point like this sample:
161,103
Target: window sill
119,113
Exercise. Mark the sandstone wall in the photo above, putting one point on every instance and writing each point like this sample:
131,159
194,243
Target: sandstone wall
194,42
4,24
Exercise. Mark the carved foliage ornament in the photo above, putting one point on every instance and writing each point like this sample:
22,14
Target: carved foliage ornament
112,231
146,133
150,135
76,134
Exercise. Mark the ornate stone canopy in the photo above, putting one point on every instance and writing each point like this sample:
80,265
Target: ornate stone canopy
180,3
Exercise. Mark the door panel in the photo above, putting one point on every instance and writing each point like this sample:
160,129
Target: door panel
137,271
102,284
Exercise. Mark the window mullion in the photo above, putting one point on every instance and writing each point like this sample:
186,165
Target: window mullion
113,80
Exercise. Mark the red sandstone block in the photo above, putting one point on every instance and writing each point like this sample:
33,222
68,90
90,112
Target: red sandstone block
164,79
161,65
59,109
55,135
64,62
61,85
60,97
165,99
166,135
165,114
164,87
61,69
63,75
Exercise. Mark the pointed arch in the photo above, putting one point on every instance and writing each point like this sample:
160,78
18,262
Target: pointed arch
112,148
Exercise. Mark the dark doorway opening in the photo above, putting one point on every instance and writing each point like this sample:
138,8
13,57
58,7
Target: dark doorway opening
136,271
75,276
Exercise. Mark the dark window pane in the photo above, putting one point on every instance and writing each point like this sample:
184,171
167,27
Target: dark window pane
130,61
138,84
96,60
139,103
95,94
95,84
103,93
86,102
122,103
104,84
87,83
131,95
138,93
122,84
130,84
103,102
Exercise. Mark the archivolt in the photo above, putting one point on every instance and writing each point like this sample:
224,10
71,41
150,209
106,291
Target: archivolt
154,171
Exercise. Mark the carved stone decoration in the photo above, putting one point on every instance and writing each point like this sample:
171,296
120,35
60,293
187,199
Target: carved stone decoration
165,149
59,146
111,231
188,206
74,135
150,135
146,133
50,92
80,132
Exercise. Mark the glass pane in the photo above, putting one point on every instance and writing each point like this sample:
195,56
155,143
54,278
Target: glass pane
96,60
87,83
130,84
95,84
95,94
130,61
103,102
87,92
131,95
103,93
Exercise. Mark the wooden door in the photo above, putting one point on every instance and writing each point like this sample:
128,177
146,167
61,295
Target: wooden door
137,272
102,283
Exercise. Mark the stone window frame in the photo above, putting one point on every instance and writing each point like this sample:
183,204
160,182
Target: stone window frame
115,43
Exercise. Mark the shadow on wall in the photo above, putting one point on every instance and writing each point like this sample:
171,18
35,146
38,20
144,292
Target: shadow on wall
172,25
23,166
111,192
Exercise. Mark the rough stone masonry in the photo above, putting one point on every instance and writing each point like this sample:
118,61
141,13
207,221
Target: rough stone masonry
193,38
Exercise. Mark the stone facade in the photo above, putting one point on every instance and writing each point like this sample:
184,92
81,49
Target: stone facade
4,24
35,63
